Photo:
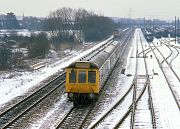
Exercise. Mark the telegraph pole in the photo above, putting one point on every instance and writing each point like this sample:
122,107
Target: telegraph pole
130,13
153,27
178,29
178,26
144,23
175,29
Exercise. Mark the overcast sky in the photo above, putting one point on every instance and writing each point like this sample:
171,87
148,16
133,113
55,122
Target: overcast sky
162,9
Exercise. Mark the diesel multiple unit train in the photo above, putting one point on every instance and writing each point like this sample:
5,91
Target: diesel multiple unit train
85,78
116,33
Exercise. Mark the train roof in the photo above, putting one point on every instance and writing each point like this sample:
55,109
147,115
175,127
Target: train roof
83,64
98,60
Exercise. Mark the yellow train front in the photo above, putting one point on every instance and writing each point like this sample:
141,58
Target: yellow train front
82,80
85,78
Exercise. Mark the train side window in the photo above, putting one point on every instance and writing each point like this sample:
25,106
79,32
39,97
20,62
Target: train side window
82,76
92,76
72,76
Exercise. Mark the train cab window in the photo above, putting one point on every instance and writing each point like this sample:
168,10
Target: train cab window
92,76
82,76
72,76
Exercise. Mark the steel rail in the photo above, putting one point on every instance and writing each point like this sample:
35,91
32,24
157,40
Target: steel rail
131,106
149,89
25,100
28,108
119,101
92,105
176,100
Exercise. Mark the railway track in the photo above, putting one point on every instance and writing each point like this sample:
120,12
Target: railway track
132,110
142,105
79,110
114,108
11,115
125,99
168,42
102,47
147,96
76,116
168,69
171,56
15,112
165,59
139,88
90,56
175,55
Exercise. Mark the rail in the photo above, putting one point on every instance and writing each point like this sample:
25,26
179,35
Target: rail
13,113
160,65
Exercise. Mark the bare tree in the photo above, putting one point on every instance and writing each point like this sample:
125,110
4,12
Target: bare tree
66,22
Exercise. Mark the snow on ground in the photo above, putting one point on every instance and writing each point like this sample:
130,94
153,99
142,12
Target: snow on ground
50,119
176,62
167,112
174,82
15,84
165,106
142,114
122,86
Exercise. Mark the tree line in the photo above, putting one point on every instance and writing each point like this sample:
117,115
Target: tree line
64,25
78,25
37,46
5,56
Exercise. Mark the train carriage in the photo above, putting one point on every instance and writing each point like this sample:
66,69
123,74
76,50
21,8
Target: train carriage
116,33
85,78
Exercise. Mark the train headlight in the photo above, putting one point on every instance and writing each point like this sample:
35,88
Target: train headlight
91,96
70,96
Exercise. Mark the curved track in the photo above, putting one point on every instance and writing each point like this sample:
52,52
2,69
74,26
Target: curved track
165,60
167,79
171,56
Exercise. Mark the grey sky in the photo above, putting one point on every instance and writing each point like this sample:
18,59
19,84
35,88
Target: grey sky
163,9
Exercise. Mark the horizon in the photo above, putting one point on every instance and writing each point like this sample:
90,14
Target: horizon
137,18
115,8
